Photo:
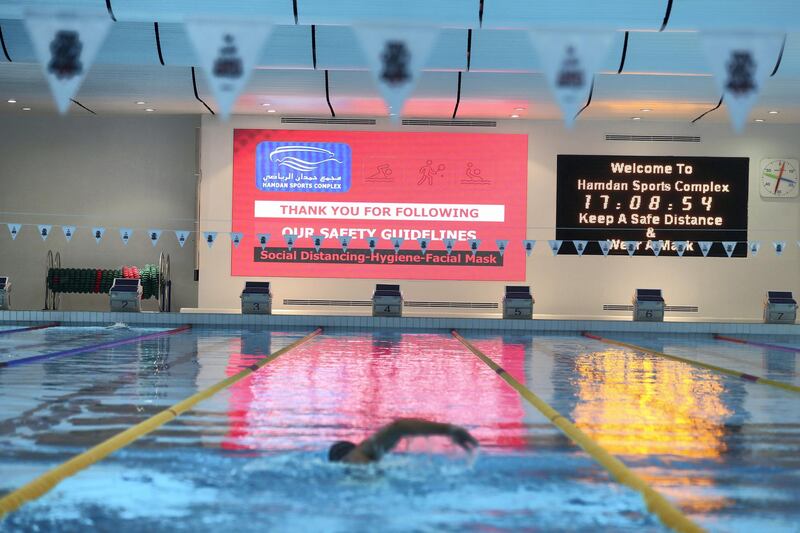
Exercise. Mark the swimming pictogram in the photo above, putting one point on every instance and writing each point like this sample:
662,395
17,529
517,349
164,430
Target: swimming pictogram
428,172
383,174
474,176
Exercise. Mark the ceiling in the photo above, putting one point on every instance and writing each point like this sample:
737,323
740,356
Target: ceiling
482,66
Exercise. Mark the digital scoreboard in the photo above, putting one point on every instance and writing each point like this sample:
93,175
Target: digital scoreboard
669,199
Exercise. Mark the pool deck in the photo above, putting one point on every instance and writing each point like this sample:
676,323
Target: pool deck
537,325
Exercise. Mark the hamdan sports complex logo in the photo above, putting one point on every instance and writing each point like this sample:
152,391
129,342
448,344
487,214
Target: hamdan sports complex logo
303,167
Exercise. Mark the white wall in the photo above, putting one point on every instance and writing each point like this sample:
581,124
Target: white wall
563,285
94,171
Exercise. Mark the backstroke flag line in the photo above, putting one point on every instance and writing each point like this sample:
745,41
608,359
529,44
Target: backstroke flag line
396,56
66,44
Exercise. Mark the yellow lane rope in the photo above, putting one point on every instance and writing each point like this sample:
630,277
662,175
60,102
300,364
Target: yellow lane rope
42,484
657,504
707,366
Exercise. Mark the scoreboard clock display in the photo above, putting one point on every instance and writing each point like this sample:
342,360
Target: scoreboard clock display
669,199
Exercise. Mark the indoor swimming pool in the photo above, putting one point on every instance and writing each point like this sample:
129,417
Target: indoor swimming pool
724,450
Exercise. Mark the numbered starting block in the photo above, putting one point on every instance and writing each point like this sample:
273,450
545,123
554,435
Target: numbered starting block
518,302
648,305
780,308
387,300
256,298
5,294
126,295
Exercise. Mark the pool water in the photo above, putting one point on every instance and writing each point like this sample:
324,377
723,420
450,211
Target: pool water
253,457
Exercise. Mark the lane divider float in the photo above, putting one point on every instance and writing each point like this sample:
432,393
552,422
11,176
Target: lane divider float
708,366
44,483
656,503
754,343
31,328
92,347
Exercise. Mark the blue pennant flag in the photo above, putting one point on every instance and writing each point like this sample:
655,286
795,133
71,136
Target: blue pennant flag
290,240
397,242
182,235
154,235
210,237
474,245
69,231
98,233
344,240
501,246
44,231
125,234
528,245
372,243
317,240
263,239
14,229
236,238
423,244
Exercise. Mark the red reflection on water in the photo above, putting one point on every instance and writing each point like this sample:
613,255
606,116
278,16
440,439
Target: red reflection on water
346,387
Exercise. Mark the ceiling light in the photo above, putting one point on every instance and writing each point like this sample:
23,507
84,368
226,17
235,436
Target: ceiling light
270,110
645,110
392,114
12,101
773,112
514,116
149,109
636,118
519,109
140,103
26,108
265,105
759,120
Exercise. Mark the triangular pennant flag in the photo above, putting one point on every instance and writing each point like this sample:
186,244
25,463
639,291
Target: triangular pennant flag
397,242
729,247
779,246
395,57
125,234
66,44
210,237
580,246
344,240
98,233
656,246
555,246
423,244
569,61
154,235
680,248
474,245
501,246
605,247
705,246
754,247
69,232
317,240
14,230
263,239
290,240
228,51
44,231
449,244
182,236
372,243
631,247
740,64
236,238
528,245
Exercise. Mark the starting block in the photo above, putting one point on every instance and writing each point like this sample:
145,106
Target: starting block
126,295
5,294
387,300
648,305
256,298
518,302
780,308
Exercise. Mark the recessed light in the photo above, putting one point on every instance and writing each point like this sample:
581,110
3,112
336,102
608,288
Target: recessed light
26,108
12,101
270,110
514,116
265,105
636,118
759,120
140,103
519,109
645,110
773,112
392,114
149,109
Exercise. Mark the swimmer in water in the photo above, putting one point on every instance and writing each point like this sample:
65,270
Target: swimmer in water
385,439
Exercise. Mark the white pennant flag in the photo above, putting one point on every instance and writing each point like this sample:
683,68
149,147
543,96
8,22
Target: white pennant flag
555,246
474,245
528,244
236,238
182,236
154,234
501,246
372,243
210,237
740,64
449,244
423,244
631,247
395,57
98,233
656,246
228,51
605,247
729,246
125,234
344,240
397,242
569,61
680,247
580,246
66,44
14,230
69,232
317,240
263,239
705,247
290,240
779,246
44,231
754,247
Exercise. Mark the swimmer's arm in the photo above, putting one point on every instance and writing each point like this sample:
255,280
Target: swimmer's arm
386,438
